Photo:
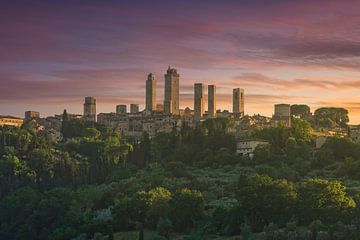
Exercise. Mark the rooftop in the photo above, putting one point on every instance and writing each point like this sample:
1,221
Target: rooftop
171,70
8,116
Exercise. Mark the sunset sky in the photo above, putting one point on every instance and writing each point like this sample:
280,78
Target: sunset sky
54,54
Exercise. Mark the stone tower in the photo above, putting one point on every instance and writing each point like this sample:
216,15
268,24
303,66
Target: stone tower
150,93
90,109
171,97
238,101
121,109
282,115
198,101
134,108
211,100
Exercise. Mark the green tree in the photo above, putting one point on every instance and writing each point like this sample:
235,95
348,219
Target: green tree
16,213
42,162
301,110
277,136
342,148
301,129
90,133
186,208
350,168
13,173
158,203
265,200
164,227
65,125
323,158
324,200
331,117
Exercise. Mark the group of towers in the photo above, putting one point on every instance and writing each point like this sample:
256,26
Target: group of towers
171,99
171,96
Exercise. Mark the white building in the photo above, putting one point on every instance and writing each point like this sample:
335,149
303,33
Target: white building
246,147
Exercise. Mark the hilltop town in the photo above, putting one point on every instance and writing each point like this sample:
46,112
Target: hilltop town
166,117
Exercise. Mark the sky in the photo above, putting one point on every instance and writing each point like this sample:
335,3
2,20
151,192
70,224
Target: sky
54,53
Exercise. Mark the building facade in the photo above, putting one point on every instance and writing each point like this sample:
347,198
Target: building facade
246,148
354,132
134,108
171,96
211,101
198,101
116,121
159,108
11,121
30,115
90,109
121,109
238,101
150,105
133,126
282,115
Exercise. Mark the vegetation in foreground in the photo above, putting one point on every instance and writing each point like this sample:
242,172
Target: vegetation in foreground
180,185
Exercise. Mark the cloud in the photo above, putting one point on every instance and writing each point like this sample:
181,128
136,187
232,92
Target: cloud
262,81
61,52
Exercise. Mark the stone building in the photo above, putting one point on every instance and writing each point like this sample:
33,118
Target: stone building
247,147
116,121
121,109
198,101
188,117
282,115
248,124
30,115
133,126
134,108
211,101
238,102
11,121
171,97
354,133
159,108
90,109
150,105
223,113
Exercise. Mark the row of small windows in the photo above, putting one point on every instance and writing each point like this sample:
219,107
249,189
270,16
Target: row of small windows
10,121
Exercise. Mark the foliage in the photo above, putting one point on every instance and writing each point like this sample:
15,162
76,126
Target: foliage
331,117
164,227
265,200
301,110
277,136
323,200
187,207
301,129
94,183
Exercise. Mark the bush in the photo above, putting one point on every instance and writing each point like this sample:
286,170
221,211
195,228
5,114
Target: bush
164,227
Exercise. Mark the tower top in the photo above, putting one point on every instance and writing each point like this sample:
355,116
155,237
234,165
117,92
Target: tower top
151,76
171,70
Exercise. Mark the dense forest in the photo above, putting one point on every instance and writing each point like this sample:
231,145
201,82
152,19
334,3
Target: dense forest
187,184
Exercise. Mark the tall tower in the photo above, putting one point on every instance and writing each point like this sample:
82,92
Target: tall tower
282,115
171,100
238,101
198,101
150,93
90,109
211,100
